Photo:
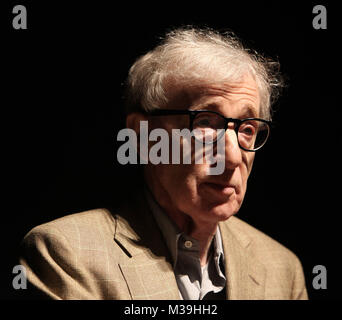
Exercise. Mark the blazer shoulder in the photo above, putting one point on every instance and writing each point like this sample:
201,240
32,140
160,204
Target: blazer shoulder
90,221
284,269
262,243
74,257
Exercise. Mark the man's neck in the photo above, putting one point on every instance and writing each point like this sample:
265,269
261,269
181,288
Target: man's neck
205,237
203,231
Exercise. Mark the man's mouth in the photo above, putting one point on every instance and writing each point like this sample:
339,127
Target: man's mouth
219,189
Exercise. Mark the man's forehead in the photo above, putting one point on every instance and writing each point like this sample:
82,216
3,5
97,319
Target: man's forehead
244,94
243,109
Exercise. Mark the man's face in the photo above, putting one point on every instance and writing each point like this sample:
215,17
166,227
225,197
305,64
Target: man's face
187,189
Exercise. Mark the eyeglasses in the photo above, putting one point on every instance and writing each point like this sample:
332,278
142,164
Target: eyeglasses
252,133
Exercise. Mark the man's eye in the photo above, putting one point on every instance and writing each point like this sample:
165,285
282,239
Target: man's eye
204,122
247,130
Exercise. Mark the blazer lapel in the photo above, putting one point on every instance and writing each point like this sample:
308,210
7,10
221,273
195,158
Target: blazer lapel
148,271
245,274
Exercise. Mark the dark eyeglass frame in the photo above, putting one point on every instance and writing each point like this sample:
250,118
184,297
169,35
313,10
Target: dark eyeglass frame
192,114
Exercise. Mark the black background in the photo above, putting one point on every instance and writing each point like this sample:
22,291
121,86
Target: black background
61,109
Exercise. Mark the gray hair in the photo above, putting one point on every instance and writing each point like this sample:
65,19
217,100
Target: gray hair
189,56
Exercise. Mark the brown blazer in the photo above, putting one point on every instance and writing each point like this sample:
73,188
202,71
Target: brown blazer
100,254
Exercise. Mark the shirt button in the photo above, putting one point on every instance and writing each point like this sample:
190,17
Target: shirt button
188,244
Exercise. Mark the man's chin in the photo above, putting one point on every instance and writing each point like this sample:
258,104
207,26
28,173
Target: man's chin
222,211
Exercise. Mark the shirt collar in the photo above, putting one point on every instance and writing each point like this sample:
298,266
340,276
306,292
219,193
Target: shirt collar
168,228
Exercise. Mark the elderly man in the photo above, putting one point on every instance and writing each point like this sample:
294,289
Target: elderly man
177,236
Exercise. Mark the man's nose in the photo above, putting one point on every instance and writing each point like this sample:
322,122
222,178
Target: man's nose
233,156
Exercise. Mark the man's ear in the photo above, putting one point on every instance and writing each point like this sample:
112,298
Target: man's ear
133,121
